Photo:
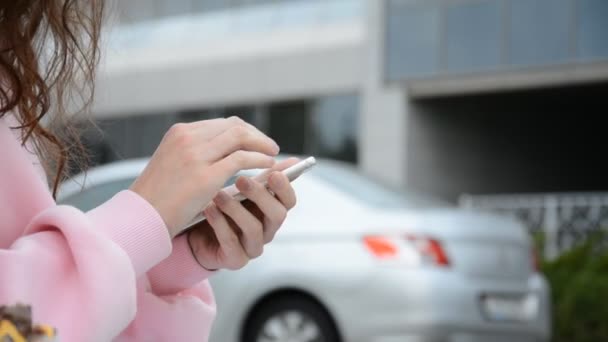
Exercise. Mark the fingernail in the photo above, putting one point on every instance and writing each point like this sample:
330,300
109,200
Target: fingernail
245,184
276,146
221,198
211,212
275,181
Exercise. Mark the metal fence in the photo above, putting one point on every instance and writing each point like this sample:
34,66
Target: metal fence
564,219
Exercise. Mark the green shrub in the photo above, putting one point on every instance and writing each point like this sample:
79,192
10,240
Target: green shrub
579,285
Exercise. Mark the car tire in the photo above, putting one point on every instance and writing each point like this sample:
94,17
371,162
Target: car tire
290,316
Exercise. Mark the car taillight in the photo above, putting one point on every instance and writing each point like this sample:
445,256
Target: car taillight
409,249
381,247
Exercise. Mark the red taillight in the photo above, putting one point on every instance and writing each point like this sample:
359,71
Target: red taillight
381,247
435,251
407,249
430,248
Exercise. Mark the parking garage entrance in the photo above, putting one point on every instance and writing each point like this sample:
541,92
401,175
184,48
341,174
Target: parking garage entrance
546,140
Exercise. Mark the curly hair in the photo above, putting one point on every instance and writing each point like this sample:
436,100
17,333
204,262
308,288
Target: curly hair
49,51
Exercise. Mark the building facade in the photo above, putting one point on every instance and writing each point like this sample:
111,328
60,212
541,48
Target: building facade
440,96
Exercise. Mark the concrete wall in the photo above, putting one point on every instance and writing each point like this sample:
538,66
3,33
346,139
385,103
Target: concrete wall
256,68
382,141
480,132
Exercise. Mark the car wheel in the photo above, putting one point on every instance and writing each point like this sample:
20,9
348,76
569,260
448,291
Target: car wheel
290,318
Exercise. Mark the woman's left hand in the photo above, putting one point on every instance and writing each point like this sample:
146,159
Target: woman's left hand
236,232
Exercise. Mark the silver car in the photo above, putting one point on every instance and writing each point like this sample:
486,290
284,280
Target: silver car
358,262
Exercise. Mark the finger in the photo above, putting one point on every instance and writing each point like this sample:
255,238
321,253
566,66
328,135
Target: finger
230,245
241,160
252,238
237,138
208,129
279,184
280,166
273,210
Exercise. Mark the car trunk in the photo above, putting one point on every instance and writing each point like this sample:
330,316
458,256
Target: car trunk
480,245
477,244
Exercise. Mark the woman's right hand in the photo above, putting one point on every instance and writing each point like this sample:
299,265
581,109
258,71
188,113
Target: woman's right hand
194,160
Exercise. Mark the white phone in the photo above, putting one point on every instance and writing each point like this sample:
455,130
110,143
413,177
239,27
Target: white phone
291,172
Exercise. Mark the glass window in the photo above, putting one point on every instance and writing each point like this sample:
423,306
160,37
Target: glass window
473,35
288,125
135,136
197,115
323,127
246,113
296,13
335,124
98,148
209,5
115,134
135,10
96,195
412,39
347,179
255,19
534,41
174,7
249,2
592,28
338,10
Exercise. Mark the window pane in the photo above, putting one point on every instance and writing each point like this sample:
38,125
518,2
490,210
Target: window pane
412,39
473,36
135,10
209,5
298,13
135,136
287,125
98,148
197,115
593,25
247,113
96,195
335,123
347,179
174,7
534,41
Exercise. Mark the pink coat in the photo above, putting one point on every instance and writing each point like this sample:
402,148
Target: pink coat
112,273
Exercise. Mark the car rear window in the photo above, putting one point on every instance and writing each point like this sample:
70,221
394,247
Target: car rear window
95,195
347,179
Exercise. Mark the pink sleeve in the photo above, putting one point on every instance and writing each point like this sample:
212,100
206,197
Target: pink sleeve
79,275
185,317
173,301
178,272
79,272
134,225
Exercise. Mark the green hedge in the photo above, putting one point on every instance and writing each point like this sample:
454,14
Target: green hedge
579,285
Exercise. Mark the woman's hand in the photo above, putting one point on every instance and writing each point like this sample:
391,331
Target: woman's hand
236,232
194,160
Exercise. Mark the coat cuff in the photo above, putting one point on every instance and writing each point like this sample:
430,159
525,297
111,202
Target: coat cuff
179,271
134,225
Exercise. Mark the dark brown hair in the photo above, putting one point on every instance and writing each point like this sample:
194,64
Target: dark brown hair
48,56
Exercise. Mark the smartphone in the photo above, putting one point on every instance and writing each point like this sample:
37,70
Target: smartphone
291,172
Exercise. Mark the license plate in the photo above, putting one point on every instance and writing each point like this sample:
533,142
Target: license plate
505,308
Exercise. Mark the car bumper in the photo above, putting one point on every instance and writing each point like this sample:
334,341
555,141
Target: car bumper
438,306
